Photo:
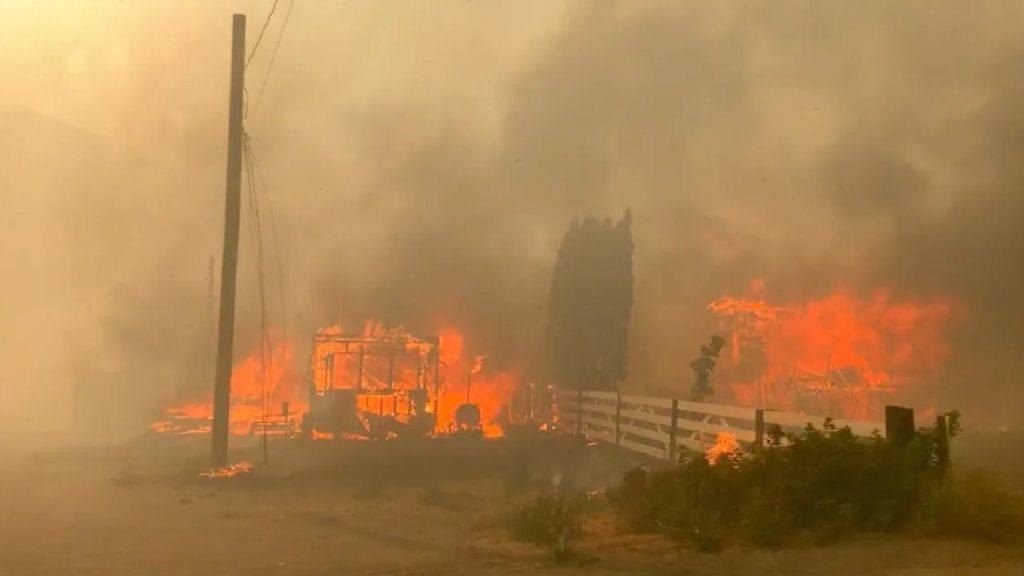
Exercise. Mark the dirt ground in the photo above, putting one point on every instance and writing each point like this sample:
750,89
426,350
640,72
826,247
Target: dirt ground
144,511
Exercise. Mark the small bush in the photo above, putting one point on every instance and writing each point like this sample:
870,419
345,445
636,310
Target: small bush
552,521
817,486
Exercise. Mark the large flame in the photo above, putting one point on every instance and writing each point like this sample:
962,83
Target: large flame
264,381
490,390
463,378
842,353
725,445
262,385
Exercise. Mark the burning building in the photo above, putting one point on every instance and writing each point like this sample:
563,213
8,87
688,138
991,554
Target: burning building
377,383
841,355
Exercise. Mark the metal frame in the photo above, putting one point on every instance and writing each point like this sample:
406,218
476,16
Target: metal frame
371,394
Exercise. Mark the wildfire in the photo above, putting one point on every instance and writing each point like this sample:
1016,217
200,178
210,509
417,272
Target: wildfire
243,467
318,435
265,398
842,351
478,365
489,390
725,444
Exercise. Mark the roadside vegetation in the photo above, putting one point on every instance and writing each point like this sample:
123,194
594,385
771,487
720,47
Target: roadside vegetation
812,488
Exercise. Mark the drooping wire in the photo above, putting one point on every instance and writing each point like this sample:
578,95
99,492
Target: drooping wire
256,230
273,55
278,257
263,31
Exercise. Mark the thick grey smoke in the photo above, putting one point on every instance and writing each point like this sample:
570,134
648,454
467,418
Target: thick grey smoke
424,164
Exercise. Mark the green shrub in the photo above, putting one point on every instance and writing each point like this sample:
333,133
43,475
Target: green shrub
817,486
552,521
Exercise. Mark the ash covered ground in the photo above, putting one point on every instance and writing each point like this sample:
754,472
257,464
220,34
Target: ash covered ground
428,507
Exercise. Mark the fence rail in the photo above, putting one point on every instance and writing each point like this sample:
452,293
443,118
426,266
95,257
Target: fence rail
659,427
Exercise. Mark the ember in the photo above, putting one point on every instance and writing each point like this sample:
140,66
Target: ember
243,467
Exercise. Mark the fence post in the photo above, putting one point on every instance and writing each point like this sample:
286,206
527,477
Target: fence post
579,412
618,415
529,403
758,430
942,447
673,443
899,425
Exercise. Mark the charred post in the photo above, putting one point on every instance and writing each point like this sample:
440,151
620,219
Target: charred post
942,447
899,425
758,430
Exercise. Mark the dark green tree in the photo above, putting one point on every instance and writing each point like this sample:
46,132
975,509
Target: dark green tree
590,306
704,366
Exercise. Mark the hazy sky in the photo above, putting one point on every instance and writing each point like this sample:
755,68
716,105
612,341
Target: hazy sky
424,159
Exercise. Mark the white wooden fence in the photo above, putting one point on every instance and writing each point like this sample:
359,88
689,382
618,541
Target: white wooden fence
658,427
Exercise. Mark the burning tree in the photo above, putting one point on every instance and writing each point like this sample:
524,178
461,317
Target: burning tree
590,305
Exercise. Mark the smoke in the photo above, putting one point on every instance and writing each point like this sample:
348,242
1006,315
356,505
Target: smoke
424,164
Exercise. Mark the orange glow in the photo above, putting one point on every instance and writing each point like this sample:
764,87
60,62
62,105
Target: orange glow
317,435
243,467
337,364
489,390
333,365
840,354
260,385
478,365
725,444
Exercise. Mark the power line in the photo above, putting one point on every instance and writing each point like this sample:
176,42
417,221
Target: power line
256,182
273,55
262,182
256,229
263,31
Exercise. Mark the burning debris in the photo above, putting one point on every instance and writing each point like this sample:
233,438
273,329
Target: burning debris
380,383
243,467
264,398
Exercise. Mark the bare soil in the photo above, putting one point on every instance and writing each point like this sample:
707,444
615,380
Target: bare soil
419,509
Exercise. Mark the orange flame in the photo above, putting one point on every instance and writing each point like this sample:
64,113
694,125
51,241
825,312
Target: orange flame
478,364
841,351
491,390
260,385
243,467
725,444
262,382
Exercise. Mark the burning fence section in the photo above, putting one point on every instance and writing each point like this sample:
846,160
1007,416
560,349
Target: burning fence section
380,378
841,354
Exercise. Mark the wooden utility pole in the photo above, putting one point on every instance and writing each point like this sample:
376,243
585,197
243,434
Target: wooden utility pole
229,259
210,307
